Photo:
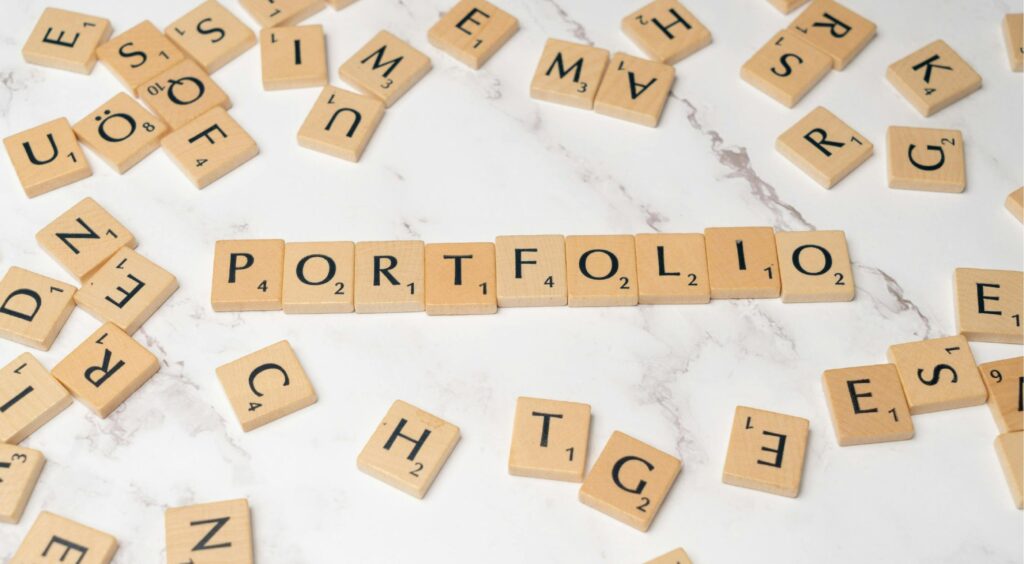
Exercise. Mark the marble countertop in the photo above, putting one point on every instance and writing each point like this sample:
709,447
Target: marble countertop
468,155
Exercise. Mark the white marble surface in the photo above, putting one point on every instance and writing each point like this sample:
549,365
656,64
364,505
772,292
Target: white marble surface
467,155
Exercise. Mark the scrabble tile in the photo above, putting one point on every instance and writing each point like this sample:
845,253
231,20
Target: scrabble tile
1010,449
293,57
531,270
601,270
339,4
867,405
126,291
460,279
266,385
355,115
786,68
209,532
386,67
107,368
408,449
677,556
824,147
787,6
550,439
569,74
766,451
318,277
83,238
1005,382
742,262
938,374
53,538
29,397
630,480
933,77
926,159
209,147
121,132
182,93
270,13
666,31
66,40
815,267
1015,204
138,55
389,276
835,30
989,304
247,275
33,308
211,35
672,268
19,471
473,31
1013,33
635,90
47,157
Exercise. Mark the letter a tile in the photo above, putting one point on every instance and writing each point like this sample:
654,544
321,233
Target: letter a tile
209,147
635,89
766,451
666,31
56,539
83,238
867,405
990,305
341,123
126,291
933,77
29,397
47,157
938,374
824,147
19,471
473,31
266,385
1005,382
66,40
217,532
33,308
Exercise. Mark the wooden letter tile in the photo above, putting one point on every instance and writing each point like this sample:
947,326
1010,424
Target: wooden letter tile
926,159
408,449
1010,448
33,308
933,77
815,267
666,31
386,67
989,305
1015,204
182,93
266,385
677,556
824,147
634,89
209,147
630,480
569,74
339,4
220,531
19,472
472,31
938,374
341,123
867,405
211,35
247,275
121,132
786,68
47,157
293,57
787,6
138,55
835,30
550,439
1013,33
742,262
56,539
672,268
1005,382
83,238
66,40
389,277
601,270
460,279
318,277
29,397
126,291
531,270
281,12
766,451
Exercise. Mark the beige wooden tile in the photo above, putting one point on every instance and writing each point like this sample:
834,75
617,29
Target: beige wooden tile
550,439
1005,382
266,385
926,159
531,270
47,157
1010,449
989,304
211,35
472,31
938,374
139,54
630,480
247,275
867,405
766,451
666,31
121,132
634,89
217,532
66,40
19,472
672,268
182,93
339,4
815,267
389,276
569,74
786,68
29,398
460,279
33,308
1013,34
107,368
56,539
677,556
824,147
83,238
408,449
601,270
787,6
386,67
933,77
269,13
319,277
835,30
126,291
293,57
1015,204
742,262
209,147
355,116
